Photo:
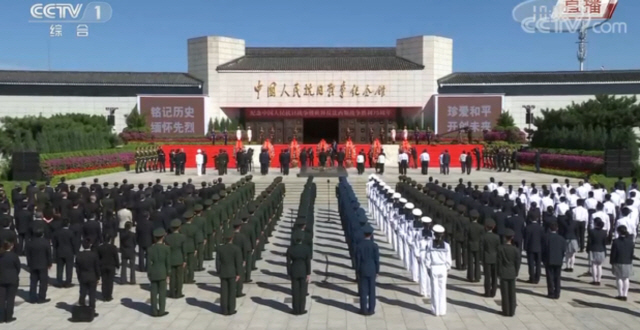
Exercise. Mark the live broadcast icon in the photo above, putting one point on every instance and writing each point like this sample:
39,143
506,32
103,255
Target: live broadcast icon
82,31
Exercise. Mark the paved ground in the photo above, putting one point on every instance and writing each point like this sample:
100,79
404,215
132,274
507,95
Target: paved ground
332,303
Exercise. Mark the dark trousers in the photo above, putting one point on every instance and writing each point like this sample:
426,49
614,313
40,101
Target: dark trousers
127,263
20,244
460,255
64,264
415,162
403,167
175,281
171,166
107,276
360,167
88,289
367,288
38,278
264,168
341,163
533,261
425,167
581,230
490,279
228,295
158,297
380,168
248,268
473,266
508,296
298,294
463,166
469,166
240,284
204,168
553,280
7,301
200,256
142,259
161,166
285,169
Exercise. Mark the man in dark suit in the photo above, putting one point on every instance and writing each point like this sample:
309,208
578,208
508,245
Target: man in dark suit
367,266
264,162
508,268
533,234
88,272
285,160
229,268
128,254
489,254
109,262
39,261
65,244
553,249
144,239
23,218
7,234
92,231
516,223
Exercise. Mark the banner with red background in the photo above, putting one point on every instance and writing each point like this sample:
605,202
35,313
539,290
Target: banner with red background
281,113
211,150
478,112
173,115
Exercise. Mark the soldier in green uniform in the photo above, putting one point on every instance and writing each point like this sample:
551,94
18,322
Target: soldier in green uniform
190,232
254,223
508,268
229,269
242,242
200,223
460,235
210,229
248,231
489,250
158,270
138,159
299,271
177,242
474,235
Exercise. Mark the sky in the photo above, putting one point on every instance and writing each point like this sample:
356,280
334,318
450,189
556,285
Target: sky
151,35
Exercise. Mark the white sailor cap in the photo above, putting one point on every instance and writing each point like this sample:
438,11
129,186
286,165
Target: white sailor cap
426,220
199,151
396,195
391,191
438,229
417,212
370,176
409,206
403,200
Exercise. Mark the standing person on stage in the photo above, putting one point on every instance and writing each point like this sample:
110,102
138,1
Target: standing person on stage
622,249
9,280
489,253
199,162
424,161
109,261
403,162
469,163
438,260
463,161
161,160
553,250
285,161
597,249
367,266
360,162
414,156
229,268
382,159
264,162
88,272
172,160
158,271
508,268
446,161
299,271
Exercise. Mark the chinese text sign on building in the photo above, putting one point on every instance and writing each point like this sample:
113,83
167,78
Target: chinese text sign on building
382,113
477,113
173,115
340,90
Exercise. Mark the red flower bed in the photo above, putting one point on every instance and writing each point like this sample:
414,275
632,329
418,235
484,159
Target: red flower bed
67,165
587,164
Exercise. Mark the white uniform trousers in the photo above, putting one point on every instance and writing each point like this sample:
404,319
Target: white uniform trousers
439,290
199,167
425,280
401,248
415,265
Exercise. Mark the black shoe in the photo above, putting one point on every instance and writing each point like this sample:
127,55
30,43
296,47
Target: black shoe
180,296
240,295
303,312
44,301
255,268
11,319
566,270
232,313
248,281
96,314
163,314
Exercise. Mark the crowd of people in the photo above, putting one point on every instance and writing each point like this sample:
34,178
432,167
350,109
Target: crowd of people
436,227
171,231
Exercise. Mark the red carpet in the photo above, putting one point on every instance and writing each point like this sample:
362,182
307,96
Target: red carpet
434,151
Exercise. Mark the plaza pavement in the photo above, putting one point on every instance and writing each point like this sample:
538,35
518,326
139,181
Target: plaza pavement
332,301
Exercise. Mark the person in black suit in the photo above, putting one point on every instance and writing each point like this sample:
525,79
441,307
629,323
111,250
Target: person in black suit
144,239
622,249
516,223
299,271
65,244
88,272
533,234
128,253
39,261
9,280
553,251
92,231
6,232
109,262
285,160
23,218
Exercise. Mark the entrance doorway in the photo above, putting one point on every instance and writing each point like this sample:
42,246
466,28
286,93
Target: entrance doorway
316,129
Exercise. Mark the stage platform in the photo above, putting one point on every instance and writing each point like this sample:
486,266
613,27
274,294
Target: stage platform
323,172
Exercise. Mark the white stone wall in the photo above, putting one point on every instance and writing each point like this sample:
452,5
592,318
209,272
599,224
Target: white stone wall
21,106
514,104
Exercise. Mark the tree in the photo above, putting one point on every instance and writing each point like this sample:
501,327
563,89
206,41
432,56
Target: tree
505,120
210,127
216,124
135,120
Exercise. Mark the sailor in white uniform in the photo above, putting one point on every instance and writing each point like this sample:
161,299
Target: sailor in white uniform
199,162
426,237
438,259
395,226
402,232
371,195
415,230
394,211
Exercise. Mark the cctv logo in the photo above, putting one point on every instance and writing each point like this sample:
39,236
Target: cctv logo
56,11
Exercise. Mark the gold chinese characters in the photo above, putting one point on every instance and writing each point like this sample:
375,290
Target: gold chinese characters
310,90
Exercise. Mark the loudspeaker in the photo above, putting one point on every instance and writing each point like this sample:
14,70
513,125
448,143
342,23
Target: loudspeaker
529,118
82,314
111,120
25,166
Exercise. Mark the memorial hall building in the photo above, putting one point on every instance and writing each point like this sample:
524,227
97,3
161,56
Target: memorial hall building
309,93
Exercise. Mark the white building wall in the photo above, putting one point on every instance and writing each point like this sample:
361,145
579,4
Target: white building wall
513,104
21,106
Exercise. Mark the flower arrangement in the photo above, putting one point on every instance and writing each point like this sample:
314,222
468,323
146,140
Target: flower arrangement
66,165
587,164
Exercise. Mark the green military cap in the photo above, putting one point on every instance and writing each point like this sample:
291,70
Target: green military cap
269,189
249,177
189,214
508,232
488,222
198,207
278,179
419,186
450,203
259,198
461,208
442,199
175,223
401,177
264,194
252,207
414,183
229,234
208,202
159,232
474,214
244,215
243,180
298,235
425,190
236,222
229,189
222,194
215,198
363,220
233,186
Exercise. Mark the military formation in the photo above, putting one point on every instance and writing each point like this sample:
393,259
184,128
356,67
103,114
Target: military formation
149,158
364,253
172,230
501,159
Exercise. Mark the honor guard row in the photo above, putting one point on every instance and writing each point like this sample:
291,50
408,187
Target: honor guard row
149,158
